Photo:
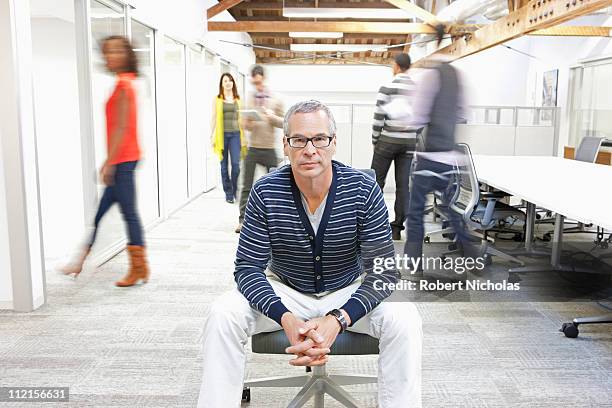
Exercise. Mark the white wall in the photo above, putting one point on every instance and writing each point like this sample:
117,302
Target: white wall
496,76
6,284
186,20
328,83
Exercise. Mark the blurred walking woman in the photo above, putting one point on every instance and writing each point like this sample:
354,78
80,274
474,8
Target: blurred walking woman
123,154
227,137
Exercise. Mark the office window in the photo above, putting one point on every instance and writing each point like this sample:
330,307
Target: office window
590,101
106,19
172,114
143,41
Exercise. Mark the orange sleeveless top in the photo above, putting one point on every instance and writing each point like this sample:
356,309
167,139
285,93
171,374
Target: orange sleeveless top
128,150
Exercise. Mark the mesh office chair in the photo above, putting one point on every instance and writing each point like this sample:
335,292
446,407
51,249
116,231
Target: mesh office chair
318,383
588,149
480,211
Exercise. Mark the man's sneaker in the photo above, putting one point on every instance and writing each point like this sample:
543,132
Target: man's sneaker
238,228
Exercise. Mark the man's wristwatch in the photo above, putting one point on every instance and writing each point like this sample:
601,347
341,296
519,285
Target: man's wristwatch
340,318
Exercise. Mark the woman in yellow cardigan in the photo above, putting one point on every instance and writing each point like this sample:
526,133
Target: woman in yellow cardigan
227,137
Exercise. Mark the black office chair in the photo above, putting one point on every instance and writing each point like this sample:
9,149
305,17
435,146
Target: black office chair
317,382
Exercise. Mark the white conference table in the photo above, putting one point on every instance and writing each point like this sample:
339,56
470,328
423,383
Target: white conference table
569,188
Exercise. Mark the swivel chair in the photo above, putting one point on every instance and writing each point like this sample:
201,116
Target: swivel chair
480,211
318,383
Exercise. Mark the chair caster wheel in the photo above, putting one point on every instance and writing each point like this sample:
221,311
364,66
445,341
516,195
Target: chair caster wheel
246,394
427,240
570,330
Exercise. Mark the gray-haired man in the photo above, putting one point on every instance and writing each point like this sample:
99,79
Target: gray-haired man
310,230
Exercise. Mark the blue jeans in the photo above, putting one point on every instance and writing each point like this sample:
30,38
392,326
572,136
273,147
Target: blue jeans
423,184
231,151
123,191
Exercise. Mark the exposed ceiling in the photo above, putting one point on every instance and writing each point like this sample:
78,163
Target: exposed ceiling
279,42
505,20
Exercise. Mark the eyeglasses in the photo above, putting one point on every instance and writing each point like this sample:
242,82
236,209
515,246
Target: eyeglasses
299,142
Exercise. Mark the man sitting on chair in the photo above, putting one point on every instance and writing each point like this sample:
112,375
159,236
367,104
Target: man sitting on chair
311,230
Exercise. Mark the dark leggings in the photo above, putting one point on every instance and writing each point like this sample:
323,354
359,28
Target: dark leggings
123,191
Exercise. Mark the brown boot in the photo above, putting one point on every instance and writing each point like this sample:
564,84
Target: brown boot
139,269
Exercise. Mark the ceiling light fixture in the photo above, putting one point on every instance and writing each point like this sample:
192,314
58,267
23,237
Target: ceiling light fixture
337,47
316,34
338,13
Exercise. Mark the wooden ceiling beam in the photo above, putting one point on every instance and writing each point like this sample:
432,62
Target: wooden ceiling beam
533,16
575,31
397,37
323,60
334,26
287,48
413,10
270,5
220,7
407,46
244,16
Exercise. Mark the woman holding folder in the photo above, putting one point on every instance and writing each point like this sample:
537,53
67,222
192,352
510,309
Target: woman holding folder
228,140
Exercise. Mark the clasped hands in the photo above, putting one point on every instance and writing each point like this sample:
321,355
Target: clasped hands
311,340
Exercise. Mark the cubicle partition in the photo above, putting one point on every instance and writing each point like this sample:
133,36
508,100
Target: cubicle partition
490,130
510,131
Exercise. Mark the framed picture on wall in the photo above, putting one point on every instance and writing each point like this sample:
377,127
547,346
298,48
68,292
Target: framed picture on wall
549,92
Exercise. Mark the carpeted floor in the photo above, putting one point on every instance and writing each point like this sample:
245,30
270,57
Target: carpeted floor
140,347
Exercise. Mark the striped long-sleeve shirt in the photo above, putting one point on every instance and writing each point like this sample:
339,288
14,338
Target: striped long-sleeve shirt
393,112
277,235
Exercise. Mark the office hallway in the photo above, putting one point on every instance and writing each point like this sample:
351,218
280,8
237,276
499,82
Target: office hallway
140,347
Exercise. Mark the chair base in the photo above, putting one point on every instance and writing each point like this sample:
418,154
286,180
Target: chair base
316,386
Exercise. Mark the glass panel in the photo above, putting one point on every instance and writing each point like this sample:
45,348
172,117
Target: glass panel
172,123
342,115
143,41
210,91
482,115
536,116
591,111
105,21
198,120
602,102
243,88
58,135
361,149
225,67
574,108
